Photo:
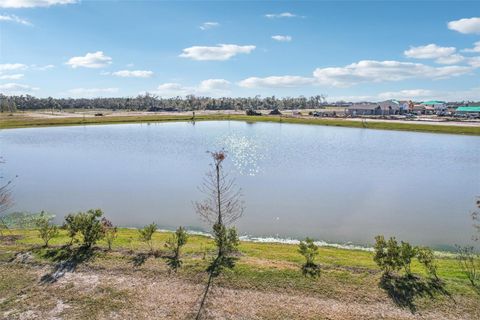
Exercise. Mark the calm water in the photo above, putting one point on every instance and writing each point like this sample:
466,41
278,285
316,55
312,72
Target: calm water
334,184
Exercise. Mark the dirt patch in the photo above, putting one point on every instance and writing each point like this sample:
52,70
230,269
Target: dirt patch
10,239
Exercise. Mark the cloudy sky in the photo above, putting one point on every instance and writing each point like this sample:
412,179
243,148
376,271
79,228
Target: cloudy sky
358,50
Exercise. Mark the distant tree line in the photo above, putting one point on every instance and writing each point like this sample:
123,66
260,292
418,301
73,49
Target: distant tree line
150,102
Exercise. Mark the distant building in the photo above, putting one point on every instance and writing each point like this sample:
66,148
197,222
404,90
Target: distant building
423,109
388,107
473,110
438,106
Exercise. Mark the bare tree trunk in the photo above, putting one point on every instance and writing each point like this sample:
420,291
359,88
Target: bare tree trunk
217,167
207,288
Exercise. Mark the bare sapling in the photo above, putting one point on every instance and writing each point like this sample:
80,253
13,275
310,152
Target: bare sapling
222,206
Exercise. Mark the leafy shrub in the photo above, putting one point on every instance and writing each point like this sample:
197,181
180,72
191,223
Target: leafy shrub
387,254
46,229
87,224
426,257
146,234
470,263
226,240
175,244
406,254
309,250
110,232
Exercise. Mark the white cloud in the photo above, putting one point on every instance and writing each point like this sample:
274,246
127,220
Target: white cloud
452,59
92,92
430,51
90,60
132,73
410,94
282,38
33,3
276,82
476,48
16,19
12,67
472,94
280,15
210,87
442,55
16,76
43,68
474,62
209,25
172,89
220,52
380,71
467,25
16,88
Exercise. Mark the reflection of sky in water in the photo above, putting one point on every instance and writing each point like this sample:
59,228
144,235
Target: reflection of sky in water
245,152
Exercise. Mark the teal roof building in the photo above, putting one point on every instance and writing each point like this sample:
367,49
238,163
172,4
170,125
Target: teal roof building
468,109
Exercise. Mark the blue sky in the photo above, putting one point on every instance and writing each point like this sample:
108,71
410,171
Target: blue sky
353,50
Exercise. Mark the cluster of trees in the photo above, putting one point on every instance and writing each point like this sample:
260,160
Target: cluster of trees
391,256
149,102
87,228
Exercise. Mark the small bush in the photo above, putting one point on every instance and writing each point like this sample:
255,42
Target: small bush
87,224
387,254
469,261
226,240
407,253
146,234
110,232
175,244
309,250
427,259
46,229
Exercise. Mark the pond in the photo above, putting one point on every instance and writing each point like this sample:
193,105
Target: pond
340,185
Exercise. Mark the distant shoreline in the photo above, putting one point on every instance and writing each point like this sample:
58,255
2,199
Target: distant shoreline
38,119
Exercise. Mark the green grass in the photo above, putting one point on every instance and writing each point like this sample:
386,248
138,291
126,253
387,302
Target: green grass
346,275
18,121
258,260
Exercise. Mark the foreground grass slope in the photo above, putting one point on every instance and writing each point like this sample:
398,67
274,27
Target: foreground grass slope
129,282
19,121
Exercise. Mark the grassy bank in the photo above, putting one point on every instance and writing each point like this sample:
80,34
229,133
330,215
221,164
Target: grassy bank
19,121
265,271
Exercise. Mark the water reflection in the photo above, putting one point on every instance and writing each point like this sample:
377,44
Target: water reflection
245,153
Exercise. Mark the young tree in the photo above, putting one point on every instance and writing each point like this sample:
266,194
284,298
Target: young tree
87,224
146,234
426,257
387,254
407,253
175,244
110,232
309,250
470,264
222,206
46,229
